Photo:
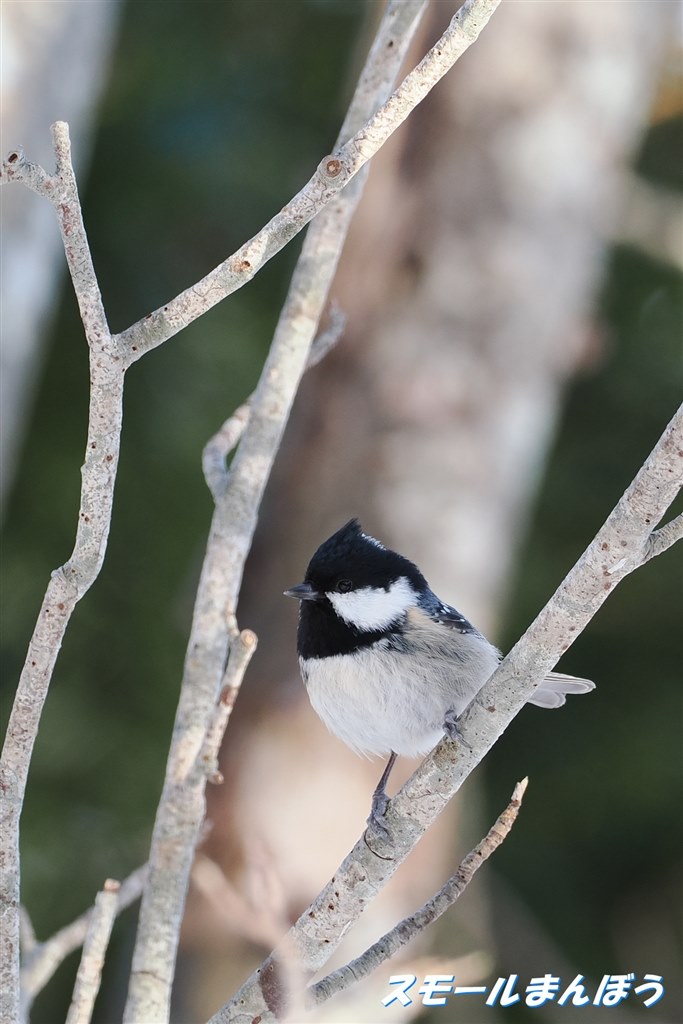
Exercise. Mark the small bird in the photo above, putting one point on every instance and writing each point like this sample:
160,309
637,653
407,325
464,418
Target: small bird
388,666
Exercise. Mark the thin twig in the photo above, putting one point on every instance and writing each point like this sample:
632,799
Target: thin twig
182,805
89,973
616,551
218,447
242,647
402,933
46,957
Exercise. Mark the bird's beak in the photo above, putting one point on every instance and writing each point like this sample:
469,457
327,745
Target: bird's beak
303,592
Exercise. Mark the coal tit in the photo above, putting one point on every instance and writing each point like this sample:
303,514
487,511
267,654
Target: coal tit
388,666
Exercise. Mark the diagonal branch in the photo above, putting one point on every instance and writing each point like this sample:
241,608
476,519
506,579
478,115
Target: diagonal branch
372,128
619,547
405,930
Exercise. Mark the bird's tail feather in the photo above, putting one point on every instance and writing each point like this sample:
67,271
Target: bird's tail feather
552,693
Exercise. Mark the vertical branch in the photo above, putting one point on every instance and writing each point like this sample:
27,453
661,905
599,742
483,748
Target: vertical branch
334,171
95,945
71,581
182,806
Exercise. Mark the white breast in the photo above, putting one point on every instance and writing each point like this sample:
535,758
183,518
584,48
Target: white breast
378,699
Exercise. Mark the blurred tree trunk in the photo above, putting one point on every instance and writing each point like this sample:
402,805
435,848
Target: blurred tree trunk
54,63
468,282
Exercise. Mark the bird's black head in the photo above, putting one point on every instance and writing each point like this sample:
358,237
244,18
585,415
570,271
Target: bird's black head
352,560
355,591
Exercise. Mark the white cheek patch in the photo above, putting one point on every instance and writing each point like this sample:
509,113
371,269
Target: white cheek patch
374,608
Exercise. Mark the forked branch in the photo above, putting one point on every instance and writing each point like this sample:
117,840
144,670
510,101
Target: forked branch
405,930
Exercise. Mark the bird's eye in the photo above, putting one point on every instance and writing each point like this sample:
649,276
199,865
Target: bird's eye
343,586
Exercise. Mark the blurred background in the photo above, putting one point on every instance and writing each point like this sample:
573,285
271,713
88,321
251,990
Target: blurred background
513,291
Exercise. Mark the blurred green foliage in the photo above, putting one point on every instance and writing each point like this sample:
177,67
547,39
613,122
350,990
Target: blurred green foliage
214,115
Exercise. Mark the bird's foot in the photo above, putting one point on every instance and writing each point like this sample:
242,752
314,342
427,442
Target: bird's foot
376,818
452,728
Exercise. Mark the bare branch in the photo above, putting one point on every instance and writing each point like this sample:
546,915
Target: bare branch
182,804
71,581
95,945
616,551
218,447
242,647
222,443
389,944
62,191
332,175
46,956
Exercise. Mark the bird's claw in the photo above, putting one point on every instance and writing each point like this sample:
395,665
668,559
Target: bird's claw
376,822
452,728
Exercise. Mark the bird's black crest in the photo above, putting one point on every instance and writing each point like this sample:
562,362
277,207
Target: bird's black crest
351,553
348,539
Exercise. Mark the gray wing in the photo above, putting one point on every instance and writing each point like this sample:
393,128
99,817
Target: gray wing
553,691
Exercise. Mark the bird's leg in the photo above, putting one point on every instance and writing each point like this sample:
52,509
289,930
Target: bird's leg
380,800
